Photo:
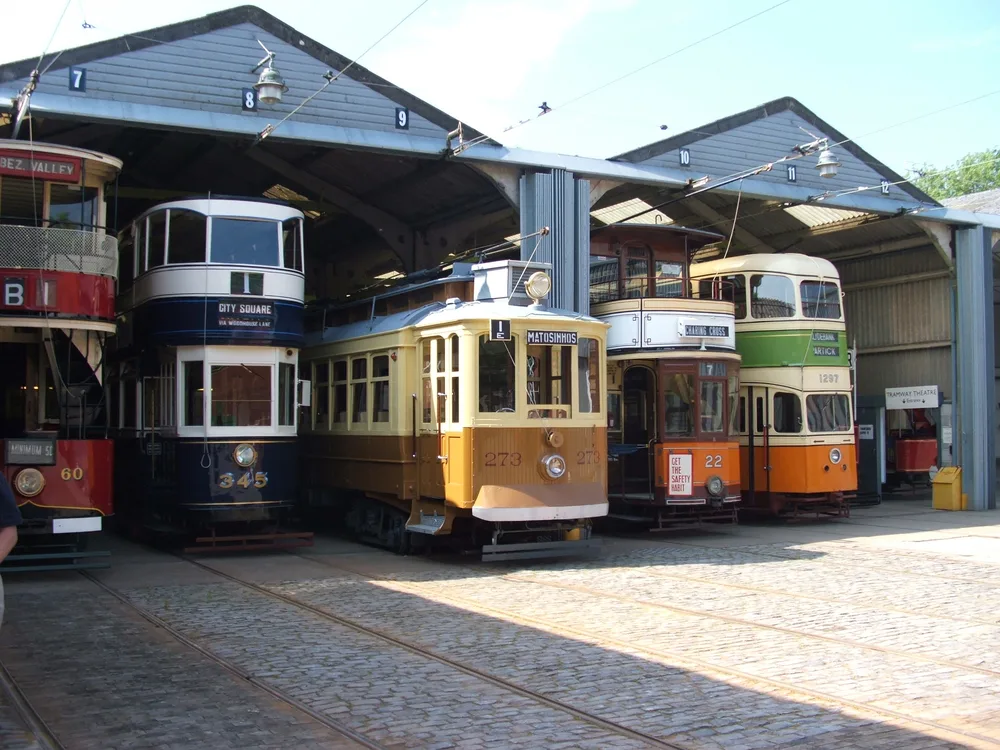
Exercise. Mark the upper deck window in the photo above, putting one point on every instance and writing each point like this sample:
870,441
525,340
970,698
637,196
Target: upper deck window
771,296
73,207
156,239
21,201
728,289
186,243
291,231
244,241
820,299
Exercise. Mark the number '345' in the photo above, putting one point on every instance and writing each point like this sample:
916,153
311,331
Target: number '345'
228,479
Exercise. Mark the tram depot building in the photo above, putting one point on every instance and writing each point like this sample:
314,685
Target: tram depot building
391,185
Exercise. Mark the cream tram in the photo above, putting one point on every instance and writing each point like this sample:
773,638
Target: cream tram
673,377
460,408
795,417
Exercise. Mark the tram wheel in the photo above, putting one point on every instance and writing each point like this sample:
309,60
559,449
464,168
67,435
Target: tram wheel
398,536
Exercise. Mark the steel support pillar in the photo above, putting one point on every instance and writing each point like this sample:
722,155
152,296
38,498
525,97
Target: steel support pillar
560,201
975,358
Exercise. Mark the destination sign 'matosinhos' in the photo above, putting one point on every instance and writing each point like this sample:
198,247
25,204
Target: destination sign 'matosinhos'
552,338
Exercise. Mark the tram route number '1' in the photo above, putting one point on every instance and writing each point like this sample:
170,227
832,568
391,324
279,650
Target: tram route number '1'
258,480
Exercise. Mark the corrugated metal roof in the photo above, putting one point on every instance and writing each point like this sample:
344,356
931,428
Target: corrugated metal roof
817,216
621,211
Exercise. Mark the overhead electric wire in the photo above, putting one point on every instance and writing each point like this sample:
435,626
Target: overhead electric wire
547,110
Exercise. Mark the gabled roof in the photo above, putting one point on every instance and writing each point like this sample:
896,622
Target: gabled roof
985,202
785,104
232,17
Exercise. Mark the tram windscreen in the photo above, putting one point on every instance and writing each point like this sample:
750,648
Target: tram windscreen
496,374
678,405
771,296
828,412
245,241
241,395
588,373
820,299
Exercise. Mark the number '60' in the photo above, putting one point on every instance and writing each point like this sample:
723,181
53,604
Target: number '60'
68,474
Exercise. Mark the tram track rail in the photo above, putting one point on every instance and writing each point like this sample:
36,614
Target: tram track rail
46,738
418,650
683,661
229,666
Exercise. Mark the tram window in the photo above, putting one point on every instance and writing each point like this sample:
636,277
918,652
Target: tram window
73,207
194,389
734,398
286,394
21,201
828,412
549,379
291,230
820,299
588,375
442,401
743,415
427,399
771,296
603,279
759,411
186,243
497,361
114,402
669,278
712,405
787,413
380,388
157,242
241,395
728,289
129,409
321,378
678,401
245,241
637,272
455,360
615,413
340,391
359,390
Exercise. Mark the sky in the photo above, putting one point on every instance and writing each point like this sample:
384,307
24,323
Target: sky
861,65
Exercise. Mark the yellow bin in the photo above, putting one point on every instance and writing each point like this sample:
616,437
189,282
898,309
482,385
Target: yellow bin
948,489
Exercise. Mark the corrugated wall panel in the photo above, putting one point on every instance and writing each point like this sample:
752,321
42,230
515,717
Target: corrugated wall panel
899,314
765,140
890,265
208,72
876,372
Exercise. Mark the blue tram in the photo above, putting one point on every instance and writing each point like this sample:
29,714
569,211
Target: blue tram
204,376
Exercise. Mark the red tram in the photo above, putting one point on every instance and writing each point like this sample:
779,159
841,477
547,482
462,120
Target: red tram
58,267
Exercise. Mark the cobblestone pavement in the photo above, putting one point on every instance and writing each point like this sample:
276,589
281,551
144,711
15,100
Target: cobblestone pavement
104,678
878,632
13,731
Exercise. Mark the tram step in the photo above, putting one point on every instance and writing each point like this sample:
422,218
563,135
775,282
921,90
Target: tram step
532,550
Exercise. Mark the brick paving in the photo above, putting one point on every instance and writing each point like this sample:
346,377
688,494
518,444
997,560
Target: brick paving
756,637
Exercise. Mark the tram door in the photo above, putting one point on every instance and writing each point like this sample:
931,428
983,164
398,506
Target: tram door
758,439
152,418
13,389
638,429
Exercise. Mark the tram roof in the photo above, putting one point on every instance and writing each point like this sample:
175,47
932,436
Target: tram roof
442,314
41,149
654,232
793,264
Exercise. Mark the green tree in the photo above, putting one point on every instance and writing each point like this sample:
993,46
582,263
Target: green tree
973,173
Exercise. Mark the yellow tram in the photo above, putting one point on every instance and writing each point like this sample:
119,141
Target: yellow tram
461,407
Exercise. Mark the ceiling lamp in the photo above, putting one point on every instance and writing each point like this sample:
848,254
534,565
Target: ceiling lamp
270,86
827,163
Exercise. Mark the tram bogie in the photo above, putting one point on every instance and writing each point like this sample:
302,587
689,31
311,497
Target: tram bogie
206,395
57,277
673,374
469,418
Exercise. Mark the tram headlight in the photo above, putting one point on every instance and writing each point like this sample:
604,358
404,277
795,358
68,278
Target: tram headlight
554,465
715,486
244,454
29,482
835,456
538,285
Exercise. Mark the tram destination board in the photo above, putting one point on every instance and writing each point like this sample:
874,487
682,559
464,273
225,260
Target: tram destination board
243,314
710,332
51,168
34,451
552,338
